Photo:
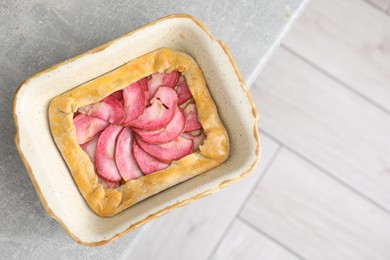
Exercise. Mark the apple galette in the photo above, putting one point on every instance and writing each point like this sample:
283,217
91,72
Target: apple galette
137,130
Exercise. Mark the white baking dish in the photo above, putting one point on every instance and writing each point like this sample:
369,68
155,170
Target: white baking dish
47,169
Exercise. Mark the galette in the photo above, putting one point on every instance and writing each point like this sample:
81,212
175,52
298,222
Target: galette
138,130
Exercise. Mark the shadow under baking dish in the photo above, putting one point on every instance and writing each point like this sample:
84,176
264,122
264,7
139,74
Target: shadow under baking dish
47,169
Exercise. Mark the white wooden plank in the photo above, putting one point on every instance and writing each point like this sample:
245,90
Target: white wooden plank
315,216
383,4
194,230
244,243
351,41
326,123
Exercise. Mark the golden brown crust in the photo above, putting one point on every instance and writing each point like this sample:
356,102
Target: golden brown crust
108,202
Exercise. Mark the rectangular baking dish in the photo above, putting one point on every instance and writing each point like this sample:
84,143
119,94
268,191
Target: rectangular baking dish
47,169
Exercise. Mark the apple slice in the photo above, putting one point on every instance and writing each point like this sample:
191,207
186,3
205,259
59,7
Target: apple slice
167,152
196,132
107,184
167,134
109,109
171,79
124,158
198,140
104,161
154,82
144,85
160,112
183,92
189,101
118,95
134,102
90,147
147,163
192,118
162,79
87,127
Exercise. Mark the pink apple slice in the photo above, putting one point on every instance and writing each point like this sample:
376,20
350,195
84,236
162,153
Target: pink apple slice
87,127
160,112
154,82
192,118
147,163
171,79
104,160
109,109
167,152
144,85
90,147
198,140
118,95
183,92
162,79
170,132
124,158
134,102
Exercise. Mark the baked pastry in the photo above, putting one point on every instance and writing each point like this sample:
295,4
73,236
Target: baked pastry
138,130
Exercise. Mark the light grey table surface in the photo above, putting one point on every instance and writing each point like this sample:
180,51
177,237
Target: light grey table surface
35,34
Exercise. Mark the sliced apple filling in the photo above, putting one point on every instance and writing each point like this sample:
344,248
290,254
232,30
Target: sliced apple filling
140,129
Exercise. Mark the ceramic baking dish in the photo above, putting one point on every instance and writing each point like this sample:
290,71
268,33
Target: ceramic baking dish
47,169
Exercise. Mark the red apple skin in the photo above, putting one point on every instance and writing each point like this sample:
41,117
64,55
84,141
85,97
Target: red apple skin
87,127
134,102
144,85
90,147
109,109
118,95
105,152
171,79
170,132
183,92
167,152
127,166
147,163
192,118
160,112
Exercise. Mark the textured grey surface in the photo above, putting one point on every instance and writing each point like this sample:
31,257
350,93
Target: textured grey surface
37,34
